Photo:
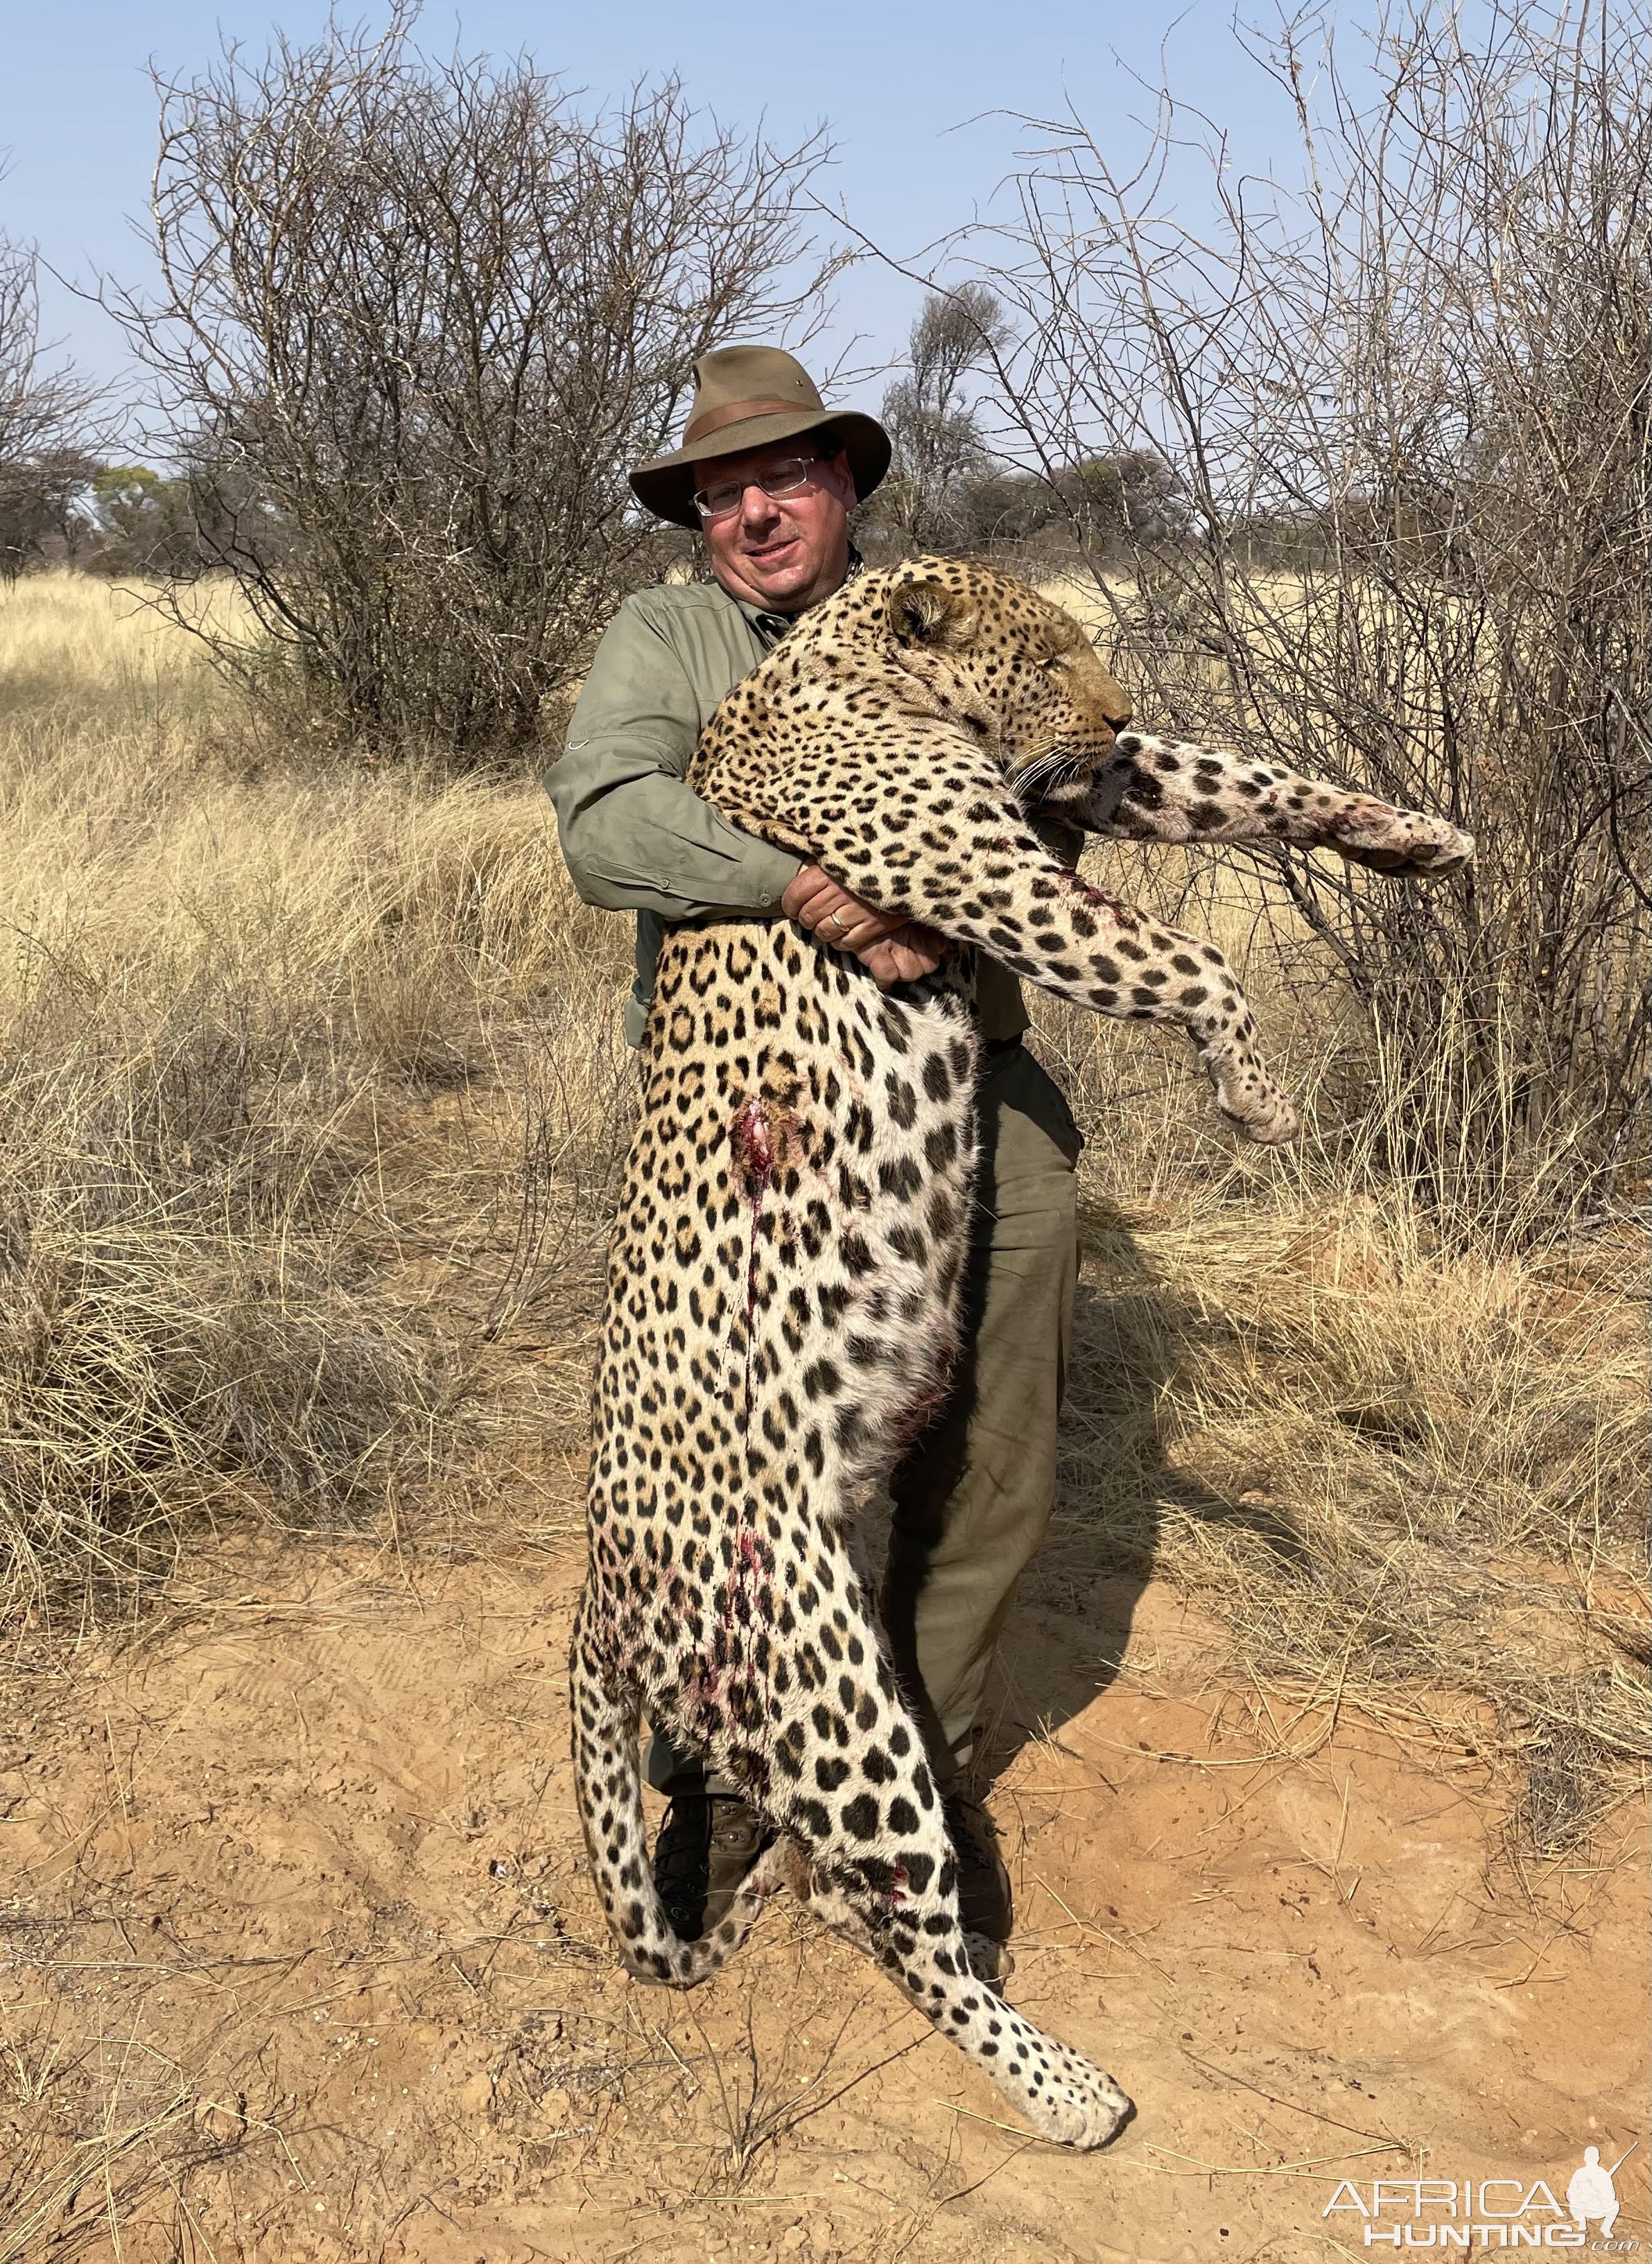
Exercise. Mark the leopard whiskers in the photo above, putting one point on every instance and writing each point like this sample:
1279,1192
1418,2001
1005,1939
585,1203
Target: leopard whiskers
1055,765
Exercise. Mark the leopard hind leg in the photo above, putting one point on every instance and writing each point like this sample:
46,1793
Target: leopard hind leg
882,1871
608,1786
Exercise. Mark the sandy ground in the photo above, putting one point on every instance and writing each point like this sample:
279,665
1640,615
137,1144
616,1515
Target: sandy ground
304,1963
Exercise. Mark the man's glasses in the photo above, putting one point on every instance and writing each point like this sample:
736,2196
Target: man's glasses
787,477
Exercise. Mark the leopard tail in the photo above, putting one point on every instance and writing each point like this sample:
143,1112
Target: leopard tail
608,1786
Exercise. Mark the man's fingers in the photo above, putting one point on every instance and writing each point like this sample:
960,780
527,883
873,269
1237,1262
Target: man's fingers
811,896
859,930
911,961
853,926
917,950
847,922
911,953
893,949
816,902
814,897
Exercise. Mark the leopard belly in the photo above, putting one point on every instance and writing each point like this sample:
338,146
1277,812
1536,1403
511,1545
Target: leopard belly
783,1293
782,1307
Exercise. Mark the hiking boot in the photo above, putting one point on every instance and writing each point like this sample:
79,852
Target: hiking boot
984,1882
707,1843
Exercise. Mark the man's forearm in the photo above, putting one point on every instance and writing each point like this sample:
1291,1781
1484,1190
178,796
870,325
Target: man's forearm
638,840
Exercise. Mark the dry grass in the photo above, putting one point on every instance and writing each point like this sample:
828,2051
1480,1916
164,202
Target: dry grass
92,2132
310,1105
238,1001
1402,1458
309,1087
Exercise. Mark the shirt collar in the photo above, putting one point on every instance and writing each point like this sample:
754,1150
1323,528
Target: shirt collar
770,627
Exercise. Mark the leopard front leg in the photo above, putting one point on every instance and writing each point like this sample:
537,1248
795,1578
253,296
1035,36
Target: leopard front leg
967,863
1120,962
1160,790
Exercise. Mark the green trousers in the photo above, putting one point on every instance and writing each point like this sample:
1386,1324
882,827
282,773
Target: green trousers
972,1497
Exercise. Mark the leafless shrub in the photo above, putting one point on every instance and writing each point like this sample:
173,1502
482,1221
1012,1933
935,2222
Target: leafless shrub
1408,409
417,318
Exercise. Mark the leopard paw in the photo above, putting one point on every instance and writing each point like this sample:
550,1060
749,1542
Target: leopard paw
1248,1097
1276,1125
1079,2105
1402,841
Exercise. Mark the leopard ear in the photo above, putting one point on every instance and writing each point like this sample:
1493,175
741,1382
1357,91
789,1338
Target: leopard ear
929,613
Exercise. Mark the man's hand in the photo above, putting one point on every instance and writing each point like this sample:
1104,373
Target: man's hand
893,949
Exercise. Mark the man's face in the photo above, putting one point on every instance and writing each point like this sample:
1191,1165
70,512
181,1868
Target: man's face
783,552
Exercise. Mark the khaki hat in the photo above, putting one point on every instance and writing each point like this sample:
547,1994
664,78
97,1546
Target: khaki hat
744,397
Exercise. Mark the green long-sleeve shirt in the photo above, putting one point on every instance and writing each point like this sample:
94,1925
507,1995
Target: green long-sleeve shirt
636,836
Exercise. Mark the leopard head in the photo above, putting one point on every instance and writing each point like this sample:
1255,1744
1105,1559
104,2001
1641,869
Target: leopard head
1010,667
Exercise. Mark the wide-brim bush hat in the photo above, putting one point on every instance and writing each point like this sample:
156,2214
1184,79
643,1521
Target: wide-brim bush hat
745,397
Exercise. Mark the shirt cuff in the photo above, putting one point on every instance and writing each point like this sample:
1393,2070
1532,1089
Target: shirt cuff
766,874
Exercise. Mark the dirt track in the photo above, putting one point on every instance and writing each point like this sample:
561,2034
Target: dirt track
299,1899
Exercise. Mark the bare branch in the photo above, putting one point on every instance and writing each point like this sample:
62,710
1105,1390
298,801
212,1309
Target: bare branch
46,413
1406,399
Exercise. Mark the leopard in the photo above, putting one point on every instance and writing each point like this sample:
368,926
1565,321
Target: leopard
784,1279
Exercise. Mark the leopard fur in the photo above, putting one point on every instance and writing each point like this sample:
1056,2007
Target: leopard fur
784,1281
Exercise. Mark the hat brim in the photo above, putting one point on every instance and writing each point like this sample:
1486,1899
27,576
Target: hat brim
667,485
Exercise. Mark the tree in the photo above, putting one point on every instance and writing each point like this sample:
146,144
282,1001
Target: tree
146,522
1117,503
46,458
931,423
1423,377
417,318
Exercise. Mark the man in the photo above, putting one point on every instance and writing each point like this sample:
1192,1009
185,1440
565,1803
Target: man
769,475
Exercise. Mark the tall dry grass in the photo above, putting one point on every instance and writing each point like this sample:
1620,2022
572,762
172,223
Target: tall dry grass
1401,1445
310,1088
235,997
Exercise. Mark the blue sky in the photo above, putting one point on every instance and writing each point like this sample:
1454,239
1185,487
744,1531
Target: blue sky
899,85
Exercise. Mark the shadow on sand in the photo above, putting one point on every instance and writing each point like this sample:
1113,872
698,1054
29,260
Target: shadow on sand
1133,1339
